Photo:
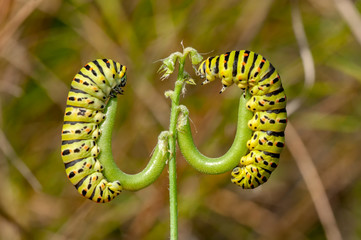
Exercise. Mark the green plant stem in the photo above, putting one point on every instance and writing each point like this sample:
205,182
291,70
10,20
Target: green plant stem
131,182
230,159
173,201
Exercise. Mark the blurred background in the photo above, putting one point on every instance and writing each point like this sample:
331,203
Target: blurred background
315,46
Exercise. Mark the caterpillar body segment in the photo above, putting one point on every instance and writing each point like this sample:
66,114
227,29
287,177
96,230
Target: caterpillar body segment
78,149
90,90
268,141
251,71
268,121
78,169
76,130
76,114
84,100
95,187
267,102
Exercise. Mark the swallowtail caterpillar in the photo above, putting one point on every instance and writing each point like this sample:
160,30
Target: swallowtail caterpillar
252,72
91,88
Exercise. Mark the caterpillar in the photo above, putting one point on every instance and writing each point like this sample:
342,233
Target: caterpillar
90,90
249,70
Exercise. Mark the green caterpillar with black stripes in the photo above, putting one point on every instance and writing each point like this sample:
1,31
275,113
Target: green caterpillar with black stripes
91,88
251,71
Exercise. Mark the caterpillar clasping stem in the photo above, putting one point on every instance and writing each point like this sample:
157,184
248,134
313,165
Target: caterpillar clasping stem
254,75
87,154
95,84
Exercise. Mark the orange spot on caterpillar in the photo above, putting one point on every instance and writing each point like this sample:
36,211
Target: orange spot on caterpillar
224,61
258,69
243,63
263,60
246,54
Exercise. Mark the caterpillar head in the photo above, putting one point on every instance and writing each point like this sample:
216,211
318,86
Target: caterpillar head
201,72
120,80
205,72
122,75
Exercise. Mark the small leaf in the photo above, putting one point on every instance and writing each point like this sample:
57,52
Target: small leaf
169,64
195,57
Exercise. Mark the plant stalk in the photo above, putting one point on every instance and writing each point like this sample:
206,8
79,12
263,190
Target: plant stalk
173,201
